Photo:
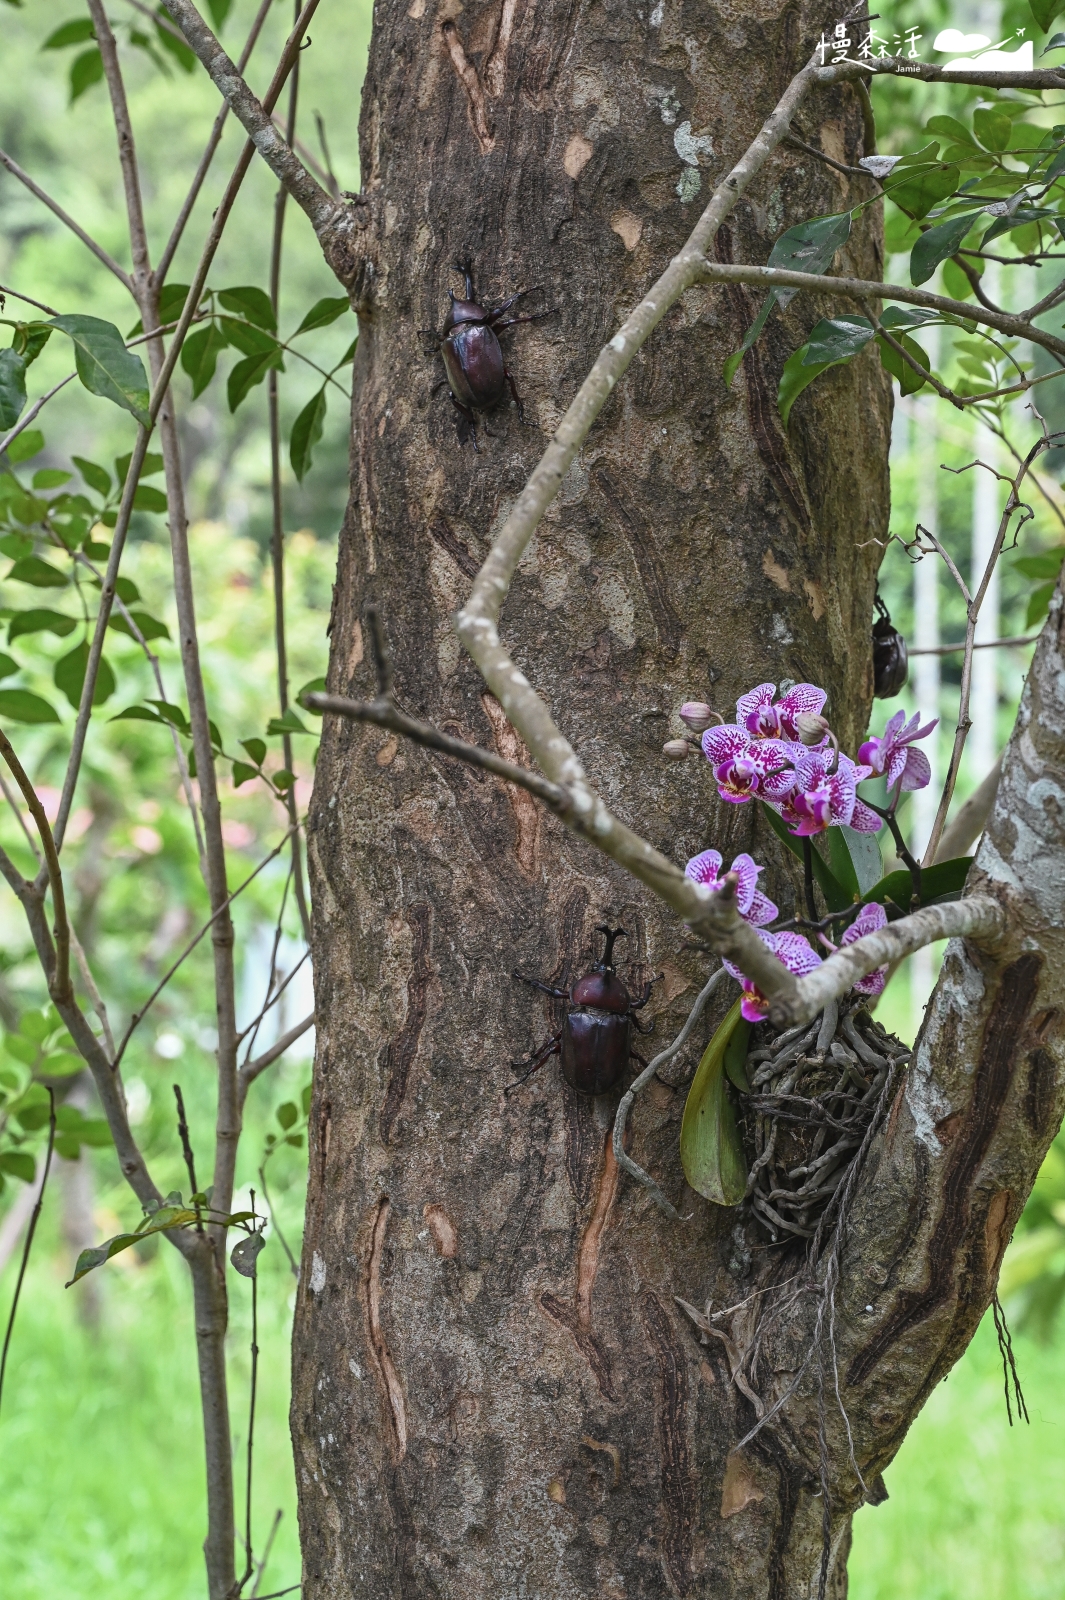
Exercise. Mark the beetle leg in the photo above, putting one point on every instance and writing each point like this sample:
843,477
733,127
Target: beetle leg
638,1005
499,310
553,1047
470,421
517,396
556,994
512,322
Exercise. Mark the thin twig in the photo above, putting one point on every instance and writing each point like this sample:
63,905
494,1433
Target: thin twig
623,1159
59,980
979,644
138,1016
274,1222
34,411
251,1070
28,1246
267,1547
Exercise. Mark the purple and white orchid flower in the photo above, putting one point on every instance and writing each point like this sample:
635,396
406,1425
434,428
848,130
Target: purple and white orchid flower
869,919
793,950
753,906
823,799
764,720
746,768
893,755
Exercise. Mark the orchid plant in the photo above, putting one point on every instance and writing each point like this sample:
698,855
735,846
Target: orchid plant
784,753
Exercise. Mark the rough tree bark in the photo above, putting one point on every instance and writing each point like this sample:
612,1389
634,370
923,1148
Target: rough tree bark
495,1393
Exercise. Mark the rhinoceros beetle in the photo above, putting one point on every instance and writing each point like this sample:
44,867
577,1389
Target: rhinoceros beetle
473,359
595,1039
890,659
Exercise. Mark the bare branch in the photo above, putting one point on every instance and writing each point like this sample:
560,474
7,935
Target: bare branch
127,153
58,979
138,1016
251,1070
979,918
254,115
208,155
968,825
713,916
869,289
982,644
64,216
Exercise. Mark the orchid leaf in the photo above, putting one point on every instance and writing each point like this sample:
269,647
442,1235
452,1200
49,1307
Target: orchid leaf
836,896
944,881
710,1147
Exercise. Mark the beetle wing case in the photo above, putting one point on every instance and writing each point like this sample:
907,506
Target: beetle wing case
474,363
595,1049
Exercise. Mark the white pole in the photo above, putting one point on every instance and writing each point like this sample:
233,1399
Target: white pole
925,676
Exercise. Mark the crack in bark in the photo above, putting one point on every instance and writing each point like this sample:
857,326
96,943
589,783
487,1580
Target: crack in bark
678,1484
650,567
466,73
525,809
441,533
401,1050
576,1315
386,1369
991,1081
762,411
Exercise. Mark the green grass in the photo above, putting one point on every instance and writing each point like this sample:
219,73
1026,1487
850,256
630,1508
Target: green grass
976,1508
101,1471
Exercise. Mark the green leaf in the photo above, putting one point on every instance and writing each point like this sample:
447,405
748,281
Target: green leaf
951,128
288,1115
96,477
866,859
832,342
242,773
834,847
77,31
1020,219
284,779
252,303
138,714
1047,564
147,498
323,313
735,1059
937,243
152,464
165,1218
85,70
836,896
289,723
19,705
185,57
29,339
1039,603
249,340
32,569
219,10
19,1163
26,446
8,666
306,432
63,1064
150,627
256,748
250,372
710,1148
808,247
943,881
245,1254
105,366
199,355
49,477
12,388
916,190
992,128
315,686
1057,43
907,317
69,676
908,380
172,297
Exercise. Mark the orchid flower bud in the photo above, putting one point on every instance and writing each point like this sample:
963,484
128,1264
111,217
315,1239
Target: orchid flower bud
811,728
676,749
697,715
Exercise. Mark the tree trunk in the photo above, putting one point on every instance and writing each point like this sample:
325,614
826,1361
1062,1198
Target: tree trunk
495,1392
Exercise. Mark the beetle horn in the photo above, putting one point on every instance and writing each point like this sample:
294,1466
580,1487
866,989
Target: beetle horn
611,935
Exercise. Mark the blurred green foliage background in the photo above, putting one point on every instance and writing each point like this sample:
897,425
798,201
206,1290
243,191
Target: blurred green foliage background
101,1485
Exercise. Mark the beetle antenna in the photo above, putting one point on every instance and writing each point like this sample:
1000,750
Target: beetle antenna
611,935
382,658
